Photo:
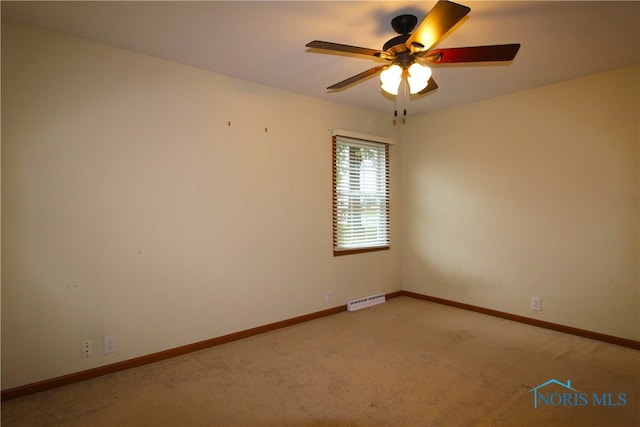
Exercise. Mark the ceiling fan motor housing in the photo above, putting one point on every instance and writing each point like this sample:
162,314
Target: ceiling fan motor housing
396,44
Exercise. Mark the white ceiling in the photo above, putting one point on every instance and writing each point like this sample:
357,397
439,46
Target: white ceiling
264,41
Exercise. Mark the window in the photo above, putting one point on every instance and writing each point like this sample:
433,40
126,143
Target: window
360,195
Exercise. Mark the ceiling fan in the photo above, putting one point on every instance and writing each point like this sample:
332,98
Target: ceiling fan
409,53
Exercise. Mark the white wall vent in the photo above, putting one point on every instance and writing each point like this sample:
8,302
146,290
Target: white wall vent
357,304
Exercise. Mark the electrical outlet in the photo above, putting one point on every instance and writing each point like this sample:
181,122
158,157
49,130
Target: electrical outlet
86,349
536,303
328,297
109,345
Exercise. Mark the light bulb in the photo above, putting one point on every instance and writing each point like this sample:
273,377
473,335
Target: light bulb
418,77
390,79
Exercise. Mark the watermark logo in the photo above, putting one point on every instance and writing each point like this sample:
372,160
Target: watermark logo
557,393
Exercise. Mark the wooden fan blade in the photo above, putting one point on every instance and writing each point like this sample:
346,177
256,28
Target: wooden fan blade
317,44
430,86
439,20
357,77
500,52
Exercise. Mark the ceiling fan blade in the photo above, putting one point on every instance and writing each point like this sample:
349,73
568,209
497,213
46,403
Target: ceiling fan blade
430,86
500,52
439,20
357,77
317,44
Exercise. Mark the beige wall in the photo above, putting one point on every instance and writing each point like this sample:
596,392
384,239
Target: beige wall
131,208
531,194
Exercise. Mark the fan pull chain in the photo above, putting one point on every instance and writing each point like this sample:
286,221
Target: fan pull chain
405,95
402,93
395,110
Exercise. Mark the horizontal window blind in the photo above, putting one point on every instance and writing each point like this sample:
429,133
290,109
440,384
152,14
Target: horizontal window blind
360,194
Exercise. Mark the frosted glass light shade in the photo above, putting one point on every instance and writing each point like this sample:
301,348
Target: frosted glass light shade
390,79
419,76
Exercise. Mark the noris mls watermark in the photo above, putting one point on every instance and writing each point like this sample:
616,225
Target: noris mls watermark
557,393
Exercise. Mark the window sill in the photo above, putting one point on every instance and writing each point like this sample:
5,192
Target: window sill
360,250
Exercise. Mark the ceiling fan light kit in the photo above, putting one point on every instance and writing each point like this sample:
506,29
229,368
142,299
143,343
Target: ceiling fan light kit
417,76
408,52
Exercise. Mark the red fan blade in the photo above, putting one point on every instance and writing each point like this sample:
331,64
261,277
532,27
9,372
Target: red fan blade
357,77
317,44
500,52
431,86
439,20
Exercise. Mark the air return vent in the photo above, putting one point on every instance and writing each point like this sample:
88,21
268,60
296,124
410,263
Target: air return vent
357,304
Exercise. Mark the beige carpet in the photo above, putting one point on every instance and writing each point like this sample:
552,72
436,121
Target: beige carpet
403,363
